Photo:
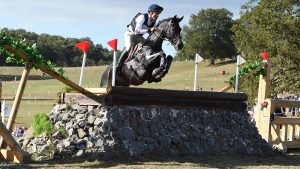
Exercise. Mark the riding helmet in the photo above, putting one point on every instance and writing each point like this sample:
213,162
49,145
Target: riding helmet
155,8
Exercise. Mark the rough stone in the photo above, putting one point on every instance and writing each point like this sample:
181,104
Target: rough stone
108,131
81,133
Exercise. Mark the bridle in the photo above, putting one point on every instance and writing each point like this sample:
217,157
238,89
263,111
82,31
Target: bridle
163,33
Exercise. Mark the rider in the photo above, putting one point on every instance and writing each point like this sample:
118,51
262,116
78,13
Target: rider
140,24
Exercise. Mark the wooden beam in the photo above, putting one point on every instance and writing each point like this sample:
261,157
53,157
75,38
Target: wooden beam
152,97
13,156
174,102
18,98
98,90
286,103
286,120
161,93
21,155
228,87
262,116
45,69
81,99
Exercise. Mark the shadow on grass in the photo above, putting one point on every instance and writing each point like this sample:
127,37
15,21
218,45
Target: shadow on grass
225,63
218,161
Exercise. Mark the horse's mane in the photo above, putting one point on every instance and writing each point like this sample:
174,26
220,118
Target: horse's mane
161,21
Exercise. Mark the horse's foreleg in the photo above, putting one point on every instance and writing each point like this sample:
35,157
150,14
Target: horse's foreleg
168,64
164,67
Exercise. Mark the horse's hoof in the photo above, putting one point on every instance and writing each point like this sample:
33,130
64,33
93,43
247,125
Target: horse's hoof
157,71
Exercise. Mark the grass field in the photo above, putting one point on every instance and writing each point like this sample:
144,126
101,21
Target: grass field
180,76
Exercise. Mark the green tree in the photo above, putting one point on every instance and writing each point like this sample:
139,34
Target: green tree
209,34
274,27
59,50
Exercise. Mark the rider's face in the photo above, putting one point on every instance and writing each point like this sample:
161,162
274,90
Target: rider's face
154,15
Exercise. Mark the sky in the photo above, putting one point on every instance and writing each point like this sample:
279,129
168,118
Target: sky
100,20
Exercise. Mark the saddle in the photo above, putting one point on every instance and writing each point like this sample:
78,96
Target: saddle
132,52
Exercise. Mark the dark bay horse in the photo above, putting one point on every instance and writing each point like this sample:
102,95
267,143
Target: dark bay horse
145,63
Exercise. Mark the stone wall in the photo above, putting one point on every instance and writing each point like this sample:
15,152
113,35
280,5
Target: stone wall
114,131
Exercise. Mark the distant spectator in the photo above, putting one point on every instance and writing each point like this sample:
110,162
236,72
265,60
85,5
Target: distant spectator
18,131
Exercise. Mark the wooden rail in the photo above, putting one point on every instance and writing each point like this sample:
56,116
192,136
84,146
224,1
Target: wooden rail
45,69
154,97
228,87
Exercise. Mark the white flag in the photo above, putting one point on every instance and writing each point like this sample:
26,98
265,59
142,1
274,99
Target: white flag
240,60
198,58
5,110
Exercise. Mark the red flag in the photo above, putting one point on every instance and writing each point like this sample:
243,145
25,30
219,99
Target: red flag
83,46
264,55
113,44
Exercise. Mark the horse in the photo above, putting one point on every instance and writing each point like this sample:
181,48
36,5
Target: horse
145,63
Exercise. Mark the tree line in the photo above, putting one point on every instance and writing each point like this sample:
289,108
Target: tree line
59,50
264,26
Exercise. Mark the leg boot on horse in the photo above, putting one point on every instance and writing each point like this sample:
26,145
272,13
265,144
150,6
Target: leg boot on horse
162,65
167,66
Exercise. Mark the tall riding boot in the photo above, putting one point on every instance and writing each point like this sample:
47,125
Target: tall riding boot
121,61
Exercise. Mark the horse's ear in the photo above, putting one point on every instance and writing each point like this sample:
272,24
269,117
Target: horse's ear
179,19
174,19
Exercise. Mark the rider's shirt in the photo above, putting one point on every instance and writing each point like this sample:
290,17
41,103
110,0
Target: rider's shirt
141,27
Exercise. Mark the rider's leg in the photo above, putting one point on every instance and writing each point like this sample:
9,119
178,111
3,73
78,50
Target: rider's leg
128,40
121,61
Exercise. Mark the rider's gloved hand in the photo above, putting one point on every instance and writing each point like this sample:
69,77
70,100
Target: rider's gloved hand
152,29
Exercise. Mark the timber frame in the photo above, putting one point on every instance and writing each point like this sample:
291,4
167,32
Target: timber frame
16,154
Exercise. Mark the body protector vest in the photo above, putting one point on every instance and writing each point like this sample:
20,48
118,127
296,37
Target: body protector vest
133,21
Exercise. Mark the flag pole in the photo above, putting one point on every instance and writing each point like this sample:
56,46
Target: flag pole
114,69
198,59
114,45
195,77
82,66
237,74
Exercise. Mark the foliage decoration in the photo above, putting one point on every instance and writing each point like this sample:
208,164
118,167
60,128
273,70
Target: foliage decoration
248,69
35,58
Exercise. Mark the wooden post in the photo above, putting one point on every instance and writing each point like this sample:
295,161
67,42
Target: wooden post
16,154
262,116
17,101
18,98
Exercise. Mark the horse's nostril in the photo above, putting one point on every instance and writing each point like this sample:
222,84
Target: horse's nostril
180,46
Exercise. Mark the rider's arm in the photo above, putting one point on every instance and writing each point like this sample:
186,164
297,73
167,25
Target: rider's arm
139,25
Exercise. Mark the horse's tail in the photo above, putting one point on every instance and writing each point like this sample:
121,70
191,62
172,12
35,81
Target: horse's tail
106,77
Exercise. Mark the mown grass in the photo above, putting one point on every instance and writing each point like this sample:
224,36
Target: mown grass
180,76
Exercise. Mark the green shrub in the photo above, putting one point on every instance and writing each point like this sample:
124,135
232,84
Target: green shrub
41,125
68,89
